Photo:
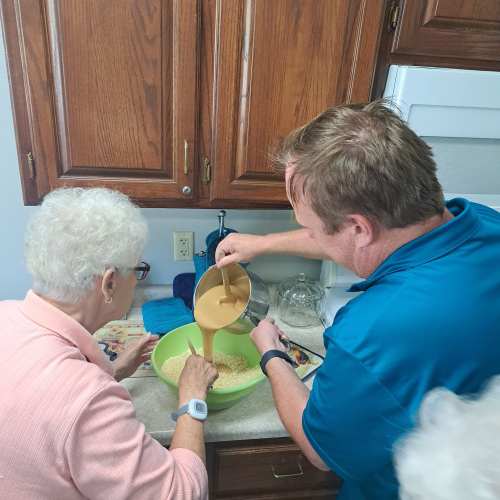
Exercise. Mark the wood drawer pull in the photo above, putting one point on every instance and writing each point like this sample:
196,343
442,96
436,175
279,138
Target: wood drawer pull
284,476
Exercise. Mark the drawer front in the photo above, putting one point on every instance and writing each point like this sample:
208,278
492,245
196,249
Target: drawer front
269,468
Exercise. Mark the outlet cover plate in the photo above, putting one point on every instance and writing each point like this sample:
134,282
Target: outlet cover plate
183,245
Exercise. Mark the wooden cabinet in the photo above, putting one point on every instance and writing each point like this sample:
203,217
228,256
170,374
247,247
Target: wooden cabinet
181,102
450,28
105,94
277,65
265,469
146,96
445,33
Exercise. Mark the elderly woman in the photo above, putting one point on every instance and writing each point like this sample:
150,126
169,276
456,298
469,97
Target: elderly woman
68,429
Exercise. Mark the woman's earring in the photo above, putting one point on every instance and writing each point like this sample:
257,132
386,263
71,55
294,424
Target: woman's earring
108,300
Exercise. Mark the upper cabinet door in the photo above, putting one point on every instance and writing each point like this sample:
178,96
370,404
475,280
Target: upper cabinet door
277,65
105,94
463,29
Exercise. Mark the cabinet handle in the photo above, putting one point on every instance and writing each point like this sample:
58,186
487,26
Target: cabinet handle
31,164
284,476
206,171
394,16
186,153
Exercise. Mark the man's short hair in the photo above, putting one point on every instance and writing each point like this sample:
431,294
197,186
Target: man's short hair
364,159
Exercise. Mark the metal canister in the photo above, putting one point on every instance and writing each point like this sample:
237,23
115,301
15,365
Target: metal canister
257,304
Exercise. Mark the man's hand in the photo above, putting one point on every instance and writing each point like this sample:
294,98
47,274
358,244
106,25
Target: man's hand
239,248
195,379
133,356
267,336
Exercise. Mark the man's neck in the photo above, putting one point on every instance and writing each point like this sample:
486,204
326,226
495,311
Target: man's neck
392,239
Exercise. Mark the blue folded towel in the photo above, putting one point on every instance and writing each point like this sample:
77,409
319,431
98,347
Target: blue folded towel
163,315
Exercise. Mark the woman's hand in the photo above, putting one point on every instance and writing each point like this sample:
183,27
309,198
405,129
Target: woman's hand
195,379
237,247
267,336
133,356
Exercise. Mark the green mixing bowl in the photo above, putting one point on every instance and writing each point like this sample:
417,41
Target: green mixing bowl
175,343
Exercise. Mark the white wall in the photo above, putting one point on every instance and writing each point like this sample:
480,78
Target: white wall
14,279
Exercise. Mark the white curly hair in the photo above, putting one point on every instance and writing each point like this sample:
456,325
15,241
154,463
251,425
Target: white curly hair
79,233
454,453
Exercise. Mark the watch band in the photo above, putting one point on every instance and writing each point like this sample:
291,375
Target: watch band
274,353
176,414
196,408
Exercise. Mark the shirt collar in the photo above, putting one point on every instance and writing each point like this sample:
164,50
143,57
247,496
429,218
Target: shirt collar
430,246
48,316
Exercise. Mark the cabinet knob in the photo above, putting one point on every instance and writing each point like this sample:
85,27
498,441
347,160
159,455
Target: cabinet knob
186,190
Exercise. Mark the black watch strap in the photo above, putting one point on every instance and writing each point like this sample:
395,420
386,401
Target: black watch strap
274,353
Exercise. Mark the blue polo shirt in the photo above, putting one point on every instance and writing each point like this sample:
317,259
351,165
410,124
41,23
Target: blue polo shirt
428,316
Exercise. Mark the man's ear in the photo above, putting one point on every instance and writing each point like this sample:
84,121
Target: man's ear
108,284
289,177
364,231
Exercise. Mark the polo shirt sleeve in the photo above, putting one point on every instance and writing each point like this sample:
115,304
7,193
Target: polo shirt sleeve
351,419
110,456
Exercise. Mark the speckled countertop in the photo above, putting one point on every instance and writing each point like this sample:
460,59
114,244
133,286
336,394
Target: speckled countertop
254,417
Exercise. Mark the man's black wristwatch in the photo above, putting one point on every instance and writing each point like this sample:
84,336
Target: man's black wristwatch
275,353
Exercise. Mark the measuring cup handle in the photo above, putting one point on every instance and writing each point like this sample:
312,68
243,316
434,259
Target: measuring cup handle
253,319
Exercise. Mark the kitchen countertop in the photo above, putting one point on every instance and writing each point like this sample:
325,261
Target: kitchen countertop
253,417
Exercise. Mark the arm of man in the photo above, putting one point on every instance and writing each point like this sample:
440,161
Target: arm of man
348,423
290,394
290,397
238,247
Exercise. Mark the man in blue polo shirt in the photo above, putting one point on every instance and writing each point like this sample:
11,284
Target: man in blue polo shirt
364,188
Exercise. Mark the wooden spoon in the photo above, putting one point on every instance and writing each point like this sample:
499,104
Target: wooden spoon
191,347
230,297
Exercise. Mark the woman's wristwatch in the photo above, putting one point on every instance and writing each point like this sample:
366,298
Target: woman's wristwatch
196,408
275,353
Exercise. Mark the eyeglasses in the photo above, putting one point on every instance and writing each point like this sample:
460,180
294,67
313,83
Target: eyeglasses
142,270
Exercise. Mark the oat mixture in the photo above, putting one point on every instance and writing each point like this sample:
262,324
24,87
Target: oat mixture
233,369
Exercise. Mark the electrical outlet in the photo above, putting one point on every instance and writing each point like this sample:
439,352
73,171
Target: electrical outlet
183,245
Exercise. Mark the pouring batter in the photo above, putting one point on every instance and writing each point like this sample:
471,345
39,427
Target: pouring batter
213,311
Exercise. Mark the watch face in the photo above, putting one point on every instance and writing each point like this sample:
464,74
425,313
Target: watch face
198,409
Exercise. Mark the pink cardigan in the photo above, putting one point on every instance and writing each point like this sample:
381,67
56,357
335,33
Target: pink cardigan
67,428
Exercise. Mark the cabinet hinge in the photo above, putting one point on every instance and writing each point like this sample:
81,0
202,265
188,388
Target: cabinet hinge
206,171
31,165
394,16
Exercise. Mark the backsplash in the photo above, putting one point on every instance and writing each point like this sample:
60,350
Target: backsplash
163,222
